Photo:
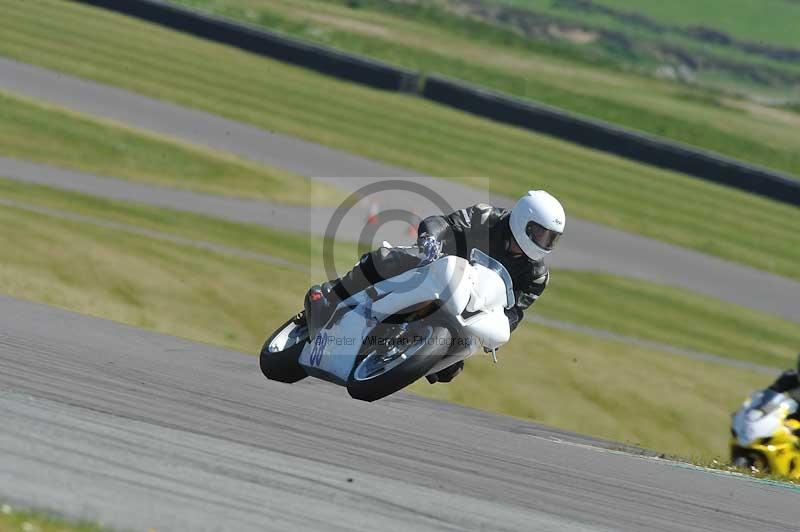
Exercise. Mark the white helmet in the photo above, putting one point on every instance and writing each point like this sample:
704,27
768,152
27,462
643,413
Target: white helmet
537,221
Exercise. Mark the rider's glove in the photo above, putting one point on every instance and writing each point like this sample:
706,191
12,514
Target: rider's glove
430,247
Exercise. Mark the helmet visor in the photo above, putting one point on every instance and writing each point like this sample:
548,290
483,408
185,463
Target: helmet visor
541,236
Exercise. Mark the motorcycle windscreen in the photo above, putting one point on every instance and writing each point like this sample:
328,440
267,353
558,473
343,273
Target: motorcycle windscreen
479,257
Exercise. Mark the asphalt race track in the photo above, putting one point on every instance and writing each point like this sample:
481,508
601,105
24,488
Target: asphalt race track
585,246
142,430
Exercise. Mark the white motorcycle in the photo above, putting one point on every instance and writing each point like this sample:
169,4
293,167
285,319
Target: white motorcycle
384,338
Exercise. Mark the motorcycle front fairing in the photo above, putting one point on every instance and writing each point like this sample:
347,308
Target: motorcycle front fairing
332,354
761,416
491,291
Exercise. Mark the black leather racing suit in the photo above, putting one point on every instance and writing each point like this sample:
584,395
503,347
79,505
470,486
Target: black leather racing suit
486,228
788,383
480,226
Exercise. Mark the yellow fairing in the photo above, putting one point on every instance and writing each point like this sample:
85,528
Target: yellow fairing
779,454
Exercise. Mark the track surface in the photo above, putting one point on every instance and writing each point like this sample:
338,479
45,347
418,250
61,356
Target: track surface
141,430
586,246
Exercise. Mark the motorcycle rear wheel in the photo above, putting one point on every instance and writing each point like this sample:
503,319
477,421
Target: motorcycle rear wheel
281,351
373,380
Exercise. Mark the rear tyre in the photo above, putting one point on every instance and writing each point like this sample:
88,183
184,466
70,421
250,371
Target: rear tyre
281,351
378,374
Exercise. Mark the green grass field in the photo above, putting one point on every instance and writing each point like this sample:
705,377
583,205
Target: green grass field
670,316
13,520
403,130
599,81
606,388
769,21
38,132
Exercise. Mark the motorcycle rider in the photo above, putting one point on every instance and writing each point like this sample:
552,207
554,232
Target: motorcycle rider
519,238
788,383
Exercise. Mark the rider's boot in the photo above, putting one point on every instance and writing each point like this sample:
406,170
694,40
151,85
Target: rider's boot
447,374
383,263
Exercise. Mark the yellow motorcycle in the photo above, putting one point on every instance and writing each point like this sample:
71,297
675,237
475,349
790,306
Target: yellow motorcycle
765,437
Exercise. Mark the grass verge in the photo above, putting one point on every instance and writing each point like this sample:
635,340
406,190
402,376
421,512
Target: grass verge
607,389
402,130
571,380
294,247
518,52
44,133
671,316
145,282
12,520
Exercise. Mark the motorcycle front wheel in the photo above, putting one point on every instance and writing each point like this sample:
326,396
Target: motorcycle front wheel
281,351
747,459
384,368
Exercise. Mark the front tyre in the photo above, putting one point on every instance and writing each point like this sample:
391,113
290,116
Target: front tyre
281,351
383,370
749,459
743,462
